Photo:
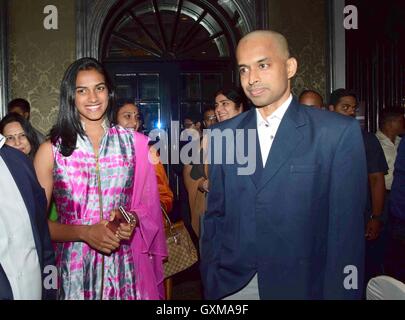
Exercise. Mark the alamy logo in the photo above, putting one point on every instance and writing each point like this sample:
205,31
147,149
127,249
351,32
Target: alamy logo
351,20
51,277
351,281
227,147
51,20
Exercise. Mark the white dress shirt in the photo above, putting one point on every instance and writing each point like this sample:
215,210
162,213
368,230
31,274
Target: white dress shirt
390,151
18,254
267,128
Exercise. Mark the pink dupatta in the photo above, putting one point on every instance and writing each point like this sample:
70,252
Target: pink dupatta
149,241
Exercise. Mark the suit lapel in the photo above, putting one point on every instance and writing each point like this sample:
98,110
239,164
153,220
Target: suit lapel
287,139
23,182
250,122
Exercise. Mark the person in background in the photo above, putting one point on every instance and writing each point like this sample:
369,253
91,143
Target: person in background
19,134
196,178
23,108
128,116
191,121
392,125
391,122
191,133
26,251
345,102
229,103
209,117
311,98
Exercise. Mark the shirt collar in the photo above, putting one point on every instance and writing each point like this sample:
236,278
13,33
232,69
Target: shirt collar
2,140
381,135
278,114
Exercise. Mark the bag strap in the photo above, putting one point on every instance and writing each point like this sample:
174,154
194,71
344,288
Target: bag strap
167,217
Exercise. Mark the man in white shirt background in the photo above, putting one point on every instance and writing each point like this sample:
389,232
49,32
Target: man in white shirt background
25,245
392,125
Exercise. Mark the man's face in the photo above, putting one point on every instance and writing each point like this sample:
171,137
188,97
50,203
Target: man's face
209,118
398,125
346,106
311,99
20,111
188,123
264,71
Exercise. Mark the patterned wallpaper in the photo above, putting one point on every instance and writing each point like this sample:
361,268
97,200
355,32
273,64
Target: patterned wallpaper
39,57
304,25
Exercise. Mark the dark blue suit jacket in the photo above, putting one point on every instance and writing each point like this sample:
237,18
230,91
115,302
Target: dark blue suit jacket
397,196
34,197
298,222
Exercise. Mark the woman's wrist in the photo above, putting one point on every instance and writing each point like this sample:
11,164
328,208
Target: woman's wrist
82,232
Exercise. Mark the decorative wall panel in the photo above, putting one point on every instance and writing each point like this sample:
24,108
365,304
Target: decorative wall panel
304,25
39,57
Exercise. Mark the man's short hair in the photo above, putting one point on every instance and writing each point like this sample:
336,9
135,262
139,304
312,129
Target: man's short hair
306,91
19,102
193,116
208,108
340,93
390,114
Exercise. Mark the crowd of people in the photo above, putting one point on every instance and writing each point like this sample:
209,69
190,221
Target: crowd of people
325,195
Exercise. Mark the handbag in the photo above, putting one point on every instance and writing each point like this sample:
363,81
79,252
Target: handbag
182,253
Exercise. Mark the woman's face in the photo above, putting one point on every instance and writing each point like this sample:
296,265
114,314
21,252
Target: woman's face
128,116
16,138
225,109
91,96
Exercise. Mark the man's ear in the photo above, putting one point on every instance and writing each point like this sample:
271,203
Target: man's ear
331,107
27,115
292,66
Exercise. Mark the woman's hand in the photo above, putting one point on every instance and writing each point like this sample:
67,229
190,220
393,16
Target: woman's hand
100,238
203,185
125,230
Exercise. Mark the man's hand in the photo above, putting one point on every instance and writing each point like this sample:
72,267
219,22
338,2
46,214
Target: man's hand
100,238
373,229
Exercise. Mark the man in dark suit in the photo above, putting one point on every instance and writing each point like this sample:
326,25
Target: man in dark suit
26,253
294,228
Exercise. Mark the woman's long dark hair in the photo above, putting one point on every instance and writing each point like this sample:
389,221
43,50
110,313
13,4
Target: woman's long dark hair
68,124
26,126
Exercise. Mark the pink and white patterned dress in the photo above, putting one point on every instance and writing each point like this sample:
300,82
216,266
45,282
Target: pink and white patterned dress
84,183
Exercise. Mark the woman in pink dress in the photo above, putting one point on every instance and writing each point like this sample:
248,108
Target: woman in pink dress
90,169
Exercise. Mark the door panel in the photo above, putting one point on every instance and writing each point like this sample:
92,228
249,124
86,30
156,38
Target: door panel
168,90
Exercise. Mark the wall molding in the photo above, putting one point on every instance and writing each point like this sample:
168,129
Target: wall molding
91,15
336,43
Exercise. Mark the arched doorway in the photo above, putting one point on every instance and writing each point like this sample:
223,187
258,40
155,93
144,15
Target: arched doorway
170,56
